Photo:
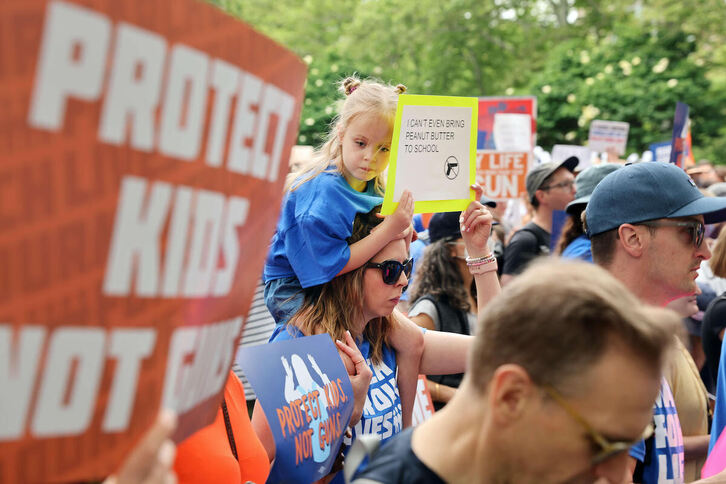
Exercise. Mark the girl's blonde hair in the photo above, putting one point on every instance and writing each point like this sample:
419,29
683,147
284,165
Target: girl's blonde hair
363,97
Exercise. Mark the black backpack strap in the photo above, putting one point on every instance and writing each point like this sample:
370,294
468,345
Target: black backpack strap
537,235
230,433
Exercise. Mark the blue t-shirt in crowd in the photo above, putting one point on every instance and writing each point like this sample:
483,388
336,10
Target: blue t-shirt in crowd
315,221
578,249
382,414
719,412
666,453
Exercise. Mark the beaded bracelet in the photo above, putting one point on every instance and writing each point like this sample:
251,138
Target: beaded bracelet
477,261
484,267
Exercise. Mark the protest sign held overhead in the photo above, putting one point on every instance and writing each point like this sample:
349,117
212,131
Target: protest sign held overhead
608,136
433,152
502,174
584,154
512,132
661,151
681,153
494,122
142,164
305,392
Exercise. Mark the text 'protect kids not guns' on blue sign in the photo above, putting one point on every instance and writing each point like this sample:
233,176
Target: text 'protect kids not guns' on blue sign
305,392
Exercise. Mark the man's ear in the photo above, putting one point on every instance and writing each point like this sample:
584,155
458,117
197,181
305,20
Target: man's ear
510,392
632,239
539,195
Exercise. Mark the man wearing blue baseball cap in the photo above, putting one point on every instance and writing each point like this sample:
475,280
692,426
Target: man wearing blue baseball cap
646,224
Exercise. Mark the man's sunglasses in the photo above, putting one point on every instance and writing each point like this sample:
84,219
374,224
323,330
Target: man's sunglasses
695,229
607,448
391,269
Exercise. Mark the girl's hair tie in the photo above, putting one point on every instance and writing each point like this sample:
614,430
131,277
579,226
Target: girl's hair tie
350,84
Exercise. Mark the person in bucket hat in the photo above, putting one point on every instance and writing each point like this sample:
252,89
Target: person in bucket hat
574,243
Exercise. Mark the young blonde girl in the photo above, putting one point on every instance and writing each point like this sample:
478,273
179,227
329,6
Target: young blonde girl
344,178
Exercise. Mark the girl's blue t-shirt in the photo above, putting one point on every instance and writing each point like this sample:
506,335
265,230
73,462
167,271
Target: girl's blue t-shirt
315,221
382,414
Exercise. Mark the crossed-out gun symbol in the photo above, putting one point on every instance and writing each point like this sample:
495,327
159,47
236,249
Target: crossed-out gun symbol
452,165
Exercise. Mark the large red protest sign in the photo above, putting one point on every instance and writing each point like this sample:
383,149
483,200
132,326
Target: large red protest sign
143,147
502,174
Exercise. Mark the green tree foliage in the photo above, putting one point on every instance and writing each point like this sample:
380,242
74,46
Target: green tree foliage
458,47
626,76
594,59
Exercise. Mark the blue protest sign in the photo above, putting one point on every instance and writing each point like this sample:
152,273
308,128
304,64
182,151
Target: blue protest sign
305,392
661,151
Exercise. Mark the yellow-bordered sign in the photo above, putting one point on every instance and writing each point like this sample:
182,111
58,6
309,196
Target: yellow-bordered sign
433,153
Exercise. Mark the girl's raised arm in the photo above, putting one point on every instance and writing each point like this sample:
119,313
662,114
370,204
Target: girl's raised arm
395,226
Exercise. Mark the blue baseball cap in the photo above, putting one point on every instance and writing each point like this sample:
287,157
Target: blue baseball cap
648,191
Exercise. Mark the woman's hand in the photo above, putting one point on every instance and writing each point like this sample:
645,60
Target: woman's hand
476,226
358,372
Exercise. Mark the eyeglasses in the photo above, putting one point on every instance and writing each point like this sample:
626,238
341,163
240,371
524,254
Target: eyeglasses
608,448
565,184
391,269
695,229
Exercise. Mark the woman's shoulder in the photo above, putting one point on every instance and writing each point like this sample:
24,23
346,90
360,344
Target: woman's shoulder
285,332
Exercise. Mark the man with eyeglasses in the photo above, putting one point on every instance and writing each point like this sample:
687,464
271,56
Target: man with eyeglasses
561,383
550,187
646,225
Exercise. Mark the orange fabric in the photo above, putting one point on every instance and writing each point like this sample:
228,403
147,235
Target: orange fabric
206,457
426,218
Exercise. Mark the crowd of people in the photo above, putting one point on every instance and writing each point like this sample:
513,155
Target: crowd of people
597,364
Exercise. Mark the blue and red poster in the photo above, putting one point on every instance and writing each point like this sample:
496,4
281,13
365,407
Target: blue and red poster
681,153
305,392
489,107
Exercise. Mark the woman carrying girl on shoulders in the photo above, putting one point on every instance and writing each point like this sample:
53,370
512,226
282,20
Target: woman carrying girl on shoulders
344,178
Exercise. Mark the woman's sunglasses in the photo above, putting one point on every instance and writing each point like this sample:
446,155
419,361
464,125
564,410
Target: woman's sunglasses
391,269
